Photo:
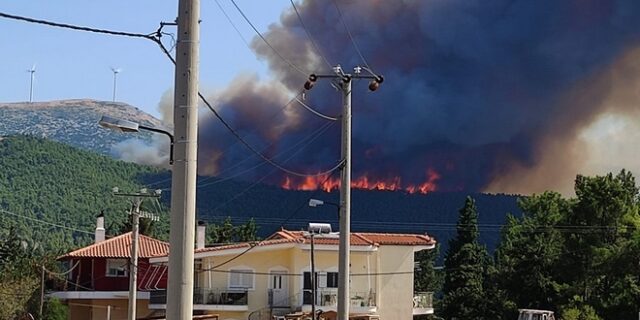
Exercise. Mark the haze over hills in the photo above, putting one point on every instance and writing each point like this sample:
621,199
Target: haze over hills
73,122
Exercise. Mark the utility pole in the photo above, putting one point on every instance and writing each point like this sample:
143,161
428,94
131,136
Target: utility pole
41,291
345,182
313,280
135,234
183,173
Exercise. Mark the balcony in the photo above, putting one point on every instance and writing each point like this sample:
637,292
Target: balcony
207,299
363,302
422,303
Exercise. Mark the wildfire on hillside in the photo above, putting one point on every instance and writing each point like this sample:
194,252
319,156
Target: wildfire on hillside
366,182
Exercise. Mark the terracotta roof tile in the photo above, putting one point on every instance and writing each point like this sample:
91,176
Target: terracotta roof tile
364,238
357,239
120,247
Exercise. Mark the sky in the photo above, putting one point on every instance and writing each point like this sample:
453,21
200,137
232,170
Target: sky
72,64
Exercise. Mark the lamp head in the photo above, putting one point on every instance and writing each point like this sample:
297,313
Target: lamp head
315,202
118,124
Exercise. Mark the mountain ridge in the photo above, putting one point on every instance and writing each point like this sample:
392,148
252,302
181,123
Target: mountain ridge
73,121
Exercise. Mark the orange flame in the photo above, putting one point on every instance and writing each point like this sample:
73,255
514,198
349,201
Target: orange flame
327,184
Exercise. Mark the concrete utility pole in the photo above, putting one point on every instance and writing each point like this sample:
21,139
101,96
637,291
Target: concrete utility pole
135,234
313,280
183,173
345,182
345,204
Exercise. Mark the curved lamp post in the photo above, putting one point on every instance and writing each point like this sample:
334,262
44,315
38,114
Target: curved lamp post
130,126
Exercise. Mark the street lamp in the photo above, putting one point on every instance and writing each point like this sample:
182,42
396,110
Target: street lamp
314,203
130,126
313,229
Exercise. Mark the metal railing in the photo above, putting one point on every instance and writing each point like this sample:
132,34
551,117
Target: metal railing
208,296
423,300
330,298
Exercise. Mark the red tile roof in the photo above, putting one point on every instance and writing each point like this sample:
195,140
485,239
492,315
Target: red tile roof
357,239
120,247
362,238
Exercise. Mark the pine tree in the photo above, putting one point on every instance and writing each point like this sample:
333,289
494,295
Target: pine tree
465,263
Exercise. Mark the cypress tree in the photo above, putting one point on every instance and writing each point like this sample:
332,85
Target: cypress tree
464,268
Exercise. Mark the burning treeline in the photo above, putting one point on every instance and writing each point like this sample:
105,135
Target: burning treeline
477,95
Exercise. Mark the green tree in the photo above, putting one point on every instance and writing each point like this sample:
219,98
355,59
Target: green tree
427,278
54,309
465,263
601,260
226,232
528,255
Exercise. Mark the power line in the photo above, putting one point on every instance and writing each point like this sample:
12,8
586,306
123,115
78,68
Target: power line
265,158
233,24
78,28
317,113
287,61
239,163
355,45
45,222
315,45
320,132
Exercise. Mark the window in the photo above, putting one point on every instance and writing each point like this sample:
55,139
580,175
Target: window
241,278
332,279
324,280
117,267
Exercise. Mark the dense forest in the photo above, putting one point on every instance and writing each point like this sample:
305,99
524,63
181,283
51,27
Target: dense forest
576,256
50,193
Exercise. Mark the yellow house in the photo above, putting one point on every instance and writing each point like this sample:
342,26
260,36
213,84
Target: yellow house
272,278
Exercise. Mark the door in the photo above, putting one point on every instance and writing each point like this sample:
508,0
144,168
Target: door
279,288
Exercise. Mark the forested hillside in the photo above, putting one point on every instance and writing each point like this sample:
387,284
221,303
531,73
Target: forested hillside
61,185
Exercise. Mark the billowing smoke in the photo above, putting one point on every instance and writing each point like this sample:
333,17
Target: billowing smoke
488,95
478,95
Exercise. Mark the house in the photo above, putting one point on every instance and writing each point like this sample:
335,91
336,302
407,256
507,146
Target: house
273,277
97,281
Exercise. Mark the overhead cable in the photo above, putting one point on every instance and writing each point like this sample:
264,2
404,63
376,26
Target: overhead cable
355,45
287,61
317,113
45,222
306,30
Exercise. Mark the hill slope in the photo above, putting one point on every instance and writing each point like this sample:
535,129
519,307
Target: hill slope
62,185
74,122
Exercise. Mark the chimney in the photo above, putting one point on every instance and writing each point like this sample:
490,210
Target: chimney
100,233
200,234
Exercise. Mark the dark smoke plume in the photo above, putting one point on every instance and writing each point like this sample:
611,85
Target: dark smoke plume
487,94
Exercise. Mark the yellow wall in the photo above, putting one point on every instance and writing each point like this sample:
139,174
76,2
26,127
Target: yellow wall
296,261
396,291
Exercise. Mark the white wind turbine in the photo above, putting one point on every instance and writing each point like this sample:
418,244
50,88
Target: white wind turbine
115,80
33,72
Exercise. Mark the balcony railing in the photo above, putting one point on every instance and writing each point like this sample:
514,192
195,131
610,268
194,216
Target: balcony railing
330,298
207,296
423,300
